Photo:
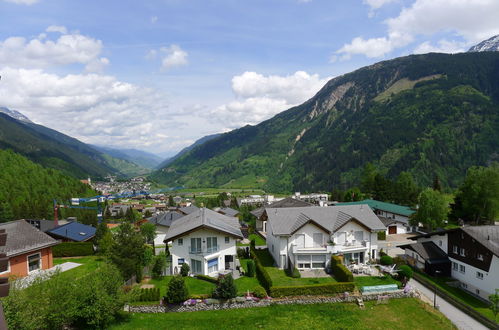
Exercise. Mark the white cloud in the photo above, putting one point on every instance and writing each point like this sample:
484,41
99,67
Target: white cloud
22,2
57,28
42,52
444,46
376,4
471,20
174,57
260,97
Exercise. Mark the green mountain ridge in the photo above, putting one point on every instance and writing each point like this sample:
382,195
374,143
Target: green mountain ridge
53,149
427,114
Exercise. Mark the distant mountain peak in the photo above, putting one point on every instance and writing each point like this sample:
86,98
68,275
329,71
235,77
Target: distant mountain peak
15,114
489,45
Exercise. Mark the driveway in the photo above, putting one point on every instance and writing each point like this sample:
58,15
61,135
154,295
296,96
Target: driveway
459,319
392,243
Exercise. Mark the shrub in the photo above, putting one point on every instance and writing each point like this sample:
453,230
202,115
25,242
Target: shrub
251,268
405,273
340,272
158,264
382,253
252,244
226,289
386,260
241,253
184,270
207,278
149,294
399,261
259,292
177,290
381,235
315,289
261,273
292,272
73,249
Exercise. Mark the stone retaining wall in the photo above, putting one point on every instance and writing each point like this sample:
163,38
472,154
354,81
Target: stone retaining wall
303,300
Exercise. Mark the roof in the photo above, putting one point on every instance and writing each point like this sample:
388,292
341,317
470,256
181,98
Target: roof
284,203
389,221
285,221
42,225
204,218
23,237
388,207
74,231
230,212
165,218
188,209
429,251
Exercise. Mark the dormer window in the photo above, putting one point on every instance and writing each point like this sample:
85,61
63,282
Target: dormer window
479,256
455,249
462,252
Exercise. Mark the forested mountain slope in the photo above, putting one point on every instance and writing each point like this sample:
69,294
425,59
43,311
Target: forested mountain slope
427,114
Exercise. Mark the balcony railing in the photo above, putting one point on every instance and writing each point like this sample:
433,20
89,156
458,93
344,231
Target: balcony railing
204,250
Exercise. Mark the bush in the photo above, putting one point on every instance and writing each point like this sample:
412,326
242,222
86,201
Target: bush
259,292
381,235
251,268
177,290
261,273
405,273
226,289
252,244
241,253
386,260
315,289
73,249
382,253
340,272
184,270
293,272
399,261
150,294
207,278
158,264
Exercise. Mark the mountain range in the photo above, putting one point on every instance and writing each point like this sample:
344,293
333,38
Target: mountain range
139,157
431,114
489,45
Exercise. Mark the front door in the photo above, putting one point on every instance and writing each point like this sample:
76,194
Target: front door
392,230
228,261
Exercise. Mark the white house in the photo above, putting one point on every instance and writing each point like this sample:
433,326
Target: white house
163,221
206,241
306,237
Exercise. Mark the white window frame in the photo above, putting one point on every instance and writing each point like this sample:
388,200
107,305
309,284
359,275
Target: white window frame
462,252
180,241
227,239
455,266
40,262
318,245
462,269
455,249
8,268
214,268
180,263
479,275
479,256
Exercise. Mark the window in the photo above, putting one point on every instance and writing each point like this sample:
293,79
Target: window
479,256
454,249
454,266
462,269
34,262
300,240
341,238
462,252
477,291
479,275
304,261
213,265
211,244
227,239
7,270
196,266
181,261
464,285
359,236
318,240
440,243
180,241
318,261
195,245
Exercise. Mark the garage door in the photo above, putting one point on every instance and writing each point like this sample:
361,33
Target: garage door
392,229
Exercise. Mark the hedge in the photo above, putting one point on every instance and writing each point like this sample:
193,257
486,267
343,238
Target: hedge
340,272
261,273
207,278
73,249
149,294
315,289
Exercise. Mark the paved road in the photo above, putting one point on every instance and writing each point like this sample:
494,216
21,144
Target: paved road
460,319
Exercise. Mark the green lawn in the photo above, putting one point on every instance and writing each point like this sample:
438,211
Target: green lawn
194,285
89,264
402,314
361,281
259,241
460,295
245,284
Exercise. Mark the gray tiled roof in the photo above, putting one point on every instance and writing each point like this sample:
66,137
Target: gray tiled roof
207,218
488,236
23,237
165,219
285,203
427,250
230,212
284,221
188,209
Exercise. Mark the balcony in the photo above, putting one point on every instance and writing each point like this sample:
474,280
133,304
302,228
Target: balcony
349,246
311,249
204,250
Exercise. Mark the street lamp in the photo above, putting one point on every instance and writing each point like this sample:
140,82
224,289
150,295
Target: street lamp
435,292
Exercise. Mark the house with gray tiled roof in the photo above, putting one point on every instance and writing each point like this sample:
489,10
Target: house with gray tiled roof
306,237
28,249
163,222
261,216
206,241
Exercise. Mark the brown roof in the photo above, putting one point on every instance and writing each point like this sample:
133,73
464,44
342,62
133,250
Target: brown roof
23,237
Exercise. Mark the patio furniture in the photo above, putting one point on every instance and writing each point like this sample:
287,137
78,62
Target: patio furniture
360,302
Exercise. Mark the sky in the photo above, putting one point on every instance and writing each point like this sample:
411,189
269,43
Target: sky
156,75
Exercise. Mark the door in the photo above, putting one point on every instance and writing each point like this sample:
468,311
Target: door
228,261
196,266
392,230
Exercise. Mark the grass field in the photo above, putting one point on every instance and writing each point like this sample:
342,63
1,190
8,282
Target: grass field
89,264
397,314
460,295
194,285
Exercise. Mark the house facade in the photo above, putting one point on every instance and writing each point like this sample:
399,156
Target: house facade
28,249
163,221
306,237
206,241
261,216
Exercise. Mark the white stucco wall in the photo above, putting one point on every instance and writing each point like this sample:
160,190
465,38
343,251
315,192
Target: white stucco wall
392,216
401,228
182,251
486,286
160,235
